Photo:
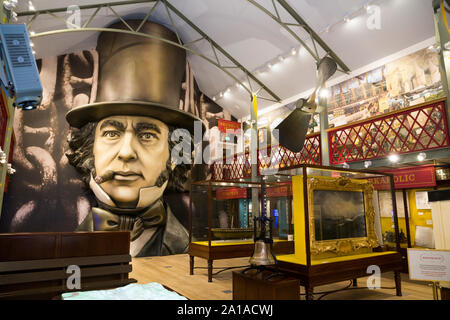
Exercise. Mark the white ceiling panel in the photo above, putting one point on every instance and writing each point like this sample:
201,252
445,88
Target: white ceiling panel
254,39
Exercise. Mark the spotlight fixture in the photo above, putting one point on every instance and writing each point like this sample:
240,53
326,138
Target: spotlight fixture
345,165
31,6
293,51
421,156
2,157
11,4
394,158
14,16
324,93
447,45
367,164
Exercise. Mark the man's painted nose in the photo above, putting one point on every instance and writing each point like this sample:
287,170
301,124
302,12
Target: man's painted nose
127,151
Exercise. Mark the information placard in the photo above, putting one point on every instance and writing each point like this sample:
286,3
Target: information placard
429,265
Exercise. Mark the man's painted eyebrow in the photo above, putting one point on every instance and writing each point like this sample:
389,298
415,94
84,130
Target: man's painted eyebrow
141,126
117,124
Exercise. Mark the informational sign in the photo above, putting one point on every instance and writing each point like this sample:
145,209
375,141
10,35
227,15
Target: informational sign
429,265
282,190
231,193
416,177
227,126
422,200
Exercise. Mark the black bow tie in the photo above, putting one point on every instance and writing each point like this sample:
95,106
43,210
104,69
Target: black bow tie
105,220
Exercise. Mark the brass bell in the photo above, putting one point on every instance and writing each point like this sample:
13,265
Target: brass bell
262,254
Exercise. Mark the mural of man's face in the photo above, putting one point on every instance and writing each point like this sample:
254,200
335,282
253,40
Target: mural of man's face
135,149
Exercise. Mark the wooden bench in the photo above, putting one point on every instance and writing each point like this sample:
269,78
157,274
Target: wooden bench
35,265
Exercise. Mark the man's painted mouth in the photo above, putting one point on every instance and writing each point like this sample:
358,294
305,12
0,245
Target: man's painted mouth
126,176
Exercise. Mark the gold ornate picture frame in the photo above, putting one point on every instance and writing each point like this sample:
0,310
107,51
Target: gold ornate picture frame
343,246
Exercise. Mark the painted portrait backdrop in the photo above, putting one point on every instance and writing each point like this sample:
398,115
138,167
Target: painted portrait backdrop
46,192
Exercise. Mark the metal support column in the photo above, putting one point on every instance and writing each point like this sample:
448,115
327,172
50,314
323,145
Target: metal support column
323,118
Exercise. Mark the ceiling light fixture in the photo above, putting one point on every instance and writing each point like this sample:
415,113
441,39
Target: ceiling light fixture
421,156
324,93
394,158
31,6
367,164
11,4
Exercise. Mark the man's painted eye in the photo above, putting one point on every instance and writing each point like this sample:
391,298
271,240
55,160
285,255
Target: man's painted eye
111,134
147,136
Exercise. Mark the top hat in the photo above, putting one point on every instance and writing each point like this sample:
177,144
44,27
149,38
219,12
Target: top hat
138,76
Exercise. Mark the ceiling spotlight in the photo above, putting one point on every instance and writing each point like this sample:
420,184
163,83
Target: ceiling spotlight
435,48
447,45
293,51
214,98
31,6
221,94
11,4
324,93
270,66
14,16
32,33
280,58
393,158
421,156
345,165
346,19
367,164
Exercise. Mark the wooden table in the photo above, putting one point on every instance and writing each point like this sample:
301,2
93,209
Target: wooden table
227,250
333,270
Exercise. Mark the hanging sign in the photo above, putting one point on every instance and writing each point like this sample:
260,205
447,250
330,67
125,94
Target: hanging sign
231,193
227,126
282,190
415,177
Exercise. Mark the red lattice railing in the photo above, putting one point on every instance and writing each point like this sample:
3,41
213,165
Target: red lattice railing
272,157
414,129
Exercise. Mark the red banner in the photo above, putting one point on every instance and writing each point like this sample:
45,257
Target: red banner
230,126
231,193
414,177
282,190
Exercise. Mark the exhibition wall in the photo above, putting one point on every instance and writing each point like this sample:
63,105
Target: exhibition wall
47,193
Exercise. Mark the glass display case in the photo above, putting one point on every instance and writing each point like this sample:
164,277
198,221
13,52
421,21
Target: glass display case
222,215
337,225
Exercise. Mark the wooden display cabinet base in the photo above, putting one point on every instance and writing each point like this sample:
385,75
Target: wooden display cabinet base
325,273
229,251
264,285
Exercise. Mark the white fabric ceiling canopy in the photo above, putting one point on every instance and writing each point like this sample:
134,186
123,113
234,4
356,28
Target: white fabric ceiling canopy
254,39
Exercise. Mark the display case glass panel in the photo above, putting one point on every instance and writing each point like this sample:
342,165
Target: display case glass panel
223,212
336,214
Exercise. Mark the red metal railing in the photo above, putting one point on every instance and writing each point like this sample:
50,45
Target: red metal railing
272,157
414,129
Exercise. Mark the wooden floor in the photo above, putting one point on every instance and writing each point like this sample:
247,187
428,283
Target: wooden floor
173,272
